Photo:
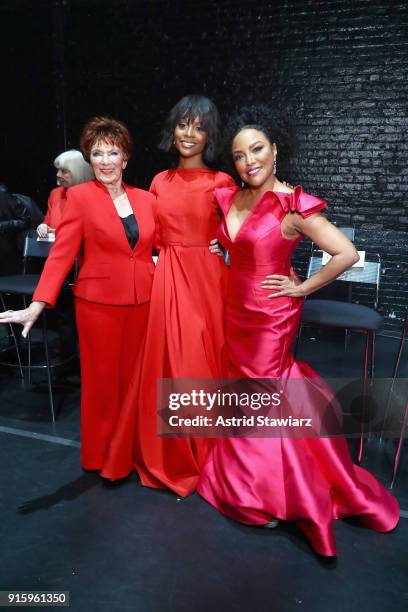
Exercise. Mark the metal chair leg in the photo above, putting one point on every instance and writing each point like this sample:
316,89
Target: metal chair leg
47,360
346,339
20,365
29,346
395,374
297,342
29,357
399,445
372,356
363,410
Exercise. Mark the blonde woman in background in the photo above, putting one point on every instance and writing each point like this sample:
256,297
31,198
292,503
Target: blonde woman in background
72,169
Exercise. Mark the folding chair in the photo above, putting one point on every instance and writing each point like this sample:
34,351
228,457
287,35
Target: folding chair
347,315
24,285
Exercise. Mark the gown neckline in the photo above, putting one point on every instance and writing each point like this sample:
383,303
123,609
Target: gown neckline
255,206
193,170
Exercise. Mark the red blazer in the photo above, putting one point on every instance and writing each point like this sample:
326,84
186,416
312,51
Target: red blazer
111,272
56,205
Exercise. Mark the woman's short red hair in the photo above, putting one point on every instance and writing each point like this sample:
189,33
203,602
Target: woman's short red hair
105,129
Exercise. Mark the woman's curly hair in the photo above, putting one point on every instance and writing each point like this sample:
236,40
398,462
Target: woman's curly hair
276,126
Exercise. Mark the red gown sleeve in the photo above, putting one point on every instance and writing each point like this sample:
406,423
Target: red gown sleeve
225,190
152,188
156,240
63,253
224,180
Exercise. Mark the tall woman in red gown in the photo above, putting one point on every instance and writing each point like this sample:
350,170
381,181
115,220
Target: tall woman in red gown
185,333
113,225
258,480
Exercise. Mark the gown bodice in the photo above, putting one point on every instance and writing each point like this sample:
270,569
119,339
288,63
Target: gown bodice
259,249
186,209
259,245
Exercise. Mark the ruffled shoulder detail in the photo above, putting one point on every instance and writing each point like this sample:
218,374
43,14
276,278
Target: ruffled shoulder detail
224,196
300,202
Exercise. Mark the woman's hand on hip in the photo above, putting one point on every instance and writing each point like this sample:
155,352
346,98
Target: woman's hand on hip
26,317
283,285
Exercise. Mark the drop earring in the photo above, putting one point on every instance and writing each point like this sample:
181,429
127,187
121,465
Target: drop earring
274,166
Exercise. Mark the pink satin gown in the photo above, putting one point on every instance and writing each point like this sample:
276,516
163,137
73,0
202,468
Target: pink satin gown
310,481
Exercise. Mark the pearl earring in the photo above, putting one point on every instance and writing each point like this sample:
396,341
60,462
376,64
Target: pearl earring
274,166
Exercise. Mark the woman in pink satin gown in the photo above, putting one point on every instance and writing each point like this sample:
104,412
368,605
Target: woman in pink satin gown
258,481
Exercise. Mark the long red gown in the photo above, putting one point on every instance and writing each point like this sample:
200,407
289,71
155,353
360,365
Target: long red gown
307,480
185,333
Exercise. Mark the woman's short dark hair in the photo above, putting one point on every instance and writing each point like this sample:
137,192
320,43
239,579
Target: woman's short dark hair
274,124
105,129
188,109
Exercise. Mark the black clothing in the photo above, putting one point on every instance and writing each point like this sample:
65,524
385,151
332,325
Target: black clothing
131,229
14,219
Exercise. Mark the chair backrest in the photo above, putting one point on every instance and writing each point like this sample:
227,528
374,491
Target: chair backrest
36,248
368,274
349,232
41,249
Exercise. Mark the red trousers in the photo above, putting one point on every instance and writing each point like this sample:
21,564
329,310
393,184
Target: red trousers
111,343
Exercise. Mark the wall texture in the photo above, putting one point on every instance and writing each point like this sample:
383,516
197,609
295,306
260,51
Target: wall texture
339,67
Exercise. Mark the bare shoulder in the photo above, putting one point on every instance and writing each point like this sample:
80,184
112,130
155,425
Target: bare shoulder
284,187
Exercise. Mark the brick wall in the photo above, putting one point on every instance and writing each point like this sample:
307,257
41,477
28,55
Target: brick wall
339,67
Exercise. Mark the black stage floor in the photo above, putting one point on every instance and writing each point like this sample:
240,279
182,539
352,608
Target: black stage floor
121,547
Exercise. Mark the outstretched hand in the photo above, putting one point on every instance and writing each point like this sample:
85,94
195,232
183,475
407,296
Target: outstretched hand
26,317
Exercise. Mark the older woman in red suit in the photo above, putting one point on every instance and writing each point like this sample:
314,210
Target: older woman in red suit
113,224
72,170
